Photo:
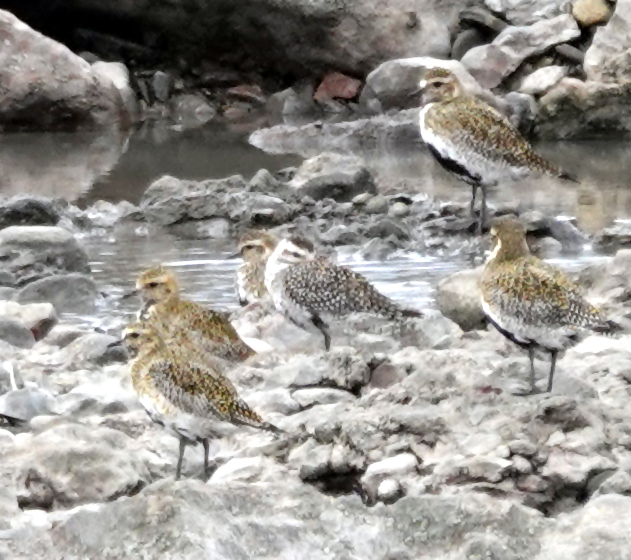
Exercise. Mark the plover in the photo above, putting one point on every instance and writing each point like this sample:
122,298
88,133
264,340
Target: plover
159,290
255,248
532,303
306,287
473,140
181,392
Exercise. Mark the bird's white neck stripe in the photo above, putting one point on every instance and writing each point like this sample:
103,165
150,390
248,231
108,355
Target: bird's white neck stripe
495,251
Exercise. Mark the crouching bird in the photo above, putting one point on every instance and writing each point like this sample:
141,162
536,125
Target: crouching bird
532,303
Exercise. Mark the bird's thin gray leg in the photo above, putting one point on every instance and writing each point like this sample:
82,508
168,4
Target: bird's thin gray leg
531,356
206,444
324,329
482,211
553,363
178,470
474,190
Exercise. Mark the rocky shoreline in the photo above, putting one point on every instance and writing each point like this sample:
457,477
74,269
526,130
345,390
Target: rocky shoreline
415,432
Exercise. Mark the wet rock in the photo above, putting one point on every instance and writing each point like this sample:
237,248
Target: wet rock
591,12
49,473
606,59
70,93
191,110
490,64
524,13
28,211
540,81
105,214
169,201
376,205
28,250
15,333
114,76
458,298
393,82
333,176
386,228
618,236
69,293
337,86
161,85
399,129
38,318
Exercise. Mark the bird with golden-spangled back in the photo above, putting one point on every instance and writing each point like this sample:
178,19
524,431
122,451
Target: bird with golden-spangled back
255,248
473,140
180,390
159,290
531,302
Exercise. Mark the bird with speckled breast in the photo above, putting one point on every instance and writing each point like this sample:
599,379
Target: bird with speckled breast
181,391
306,287
160,293
255,248
532,303
474,141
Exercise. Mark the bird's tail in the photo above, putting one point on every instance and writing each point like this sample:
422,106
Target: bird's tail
608,327
568,176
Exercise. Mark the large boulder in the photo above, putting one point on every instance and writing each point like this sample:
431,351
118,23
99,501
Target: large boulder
607,59
490,64
34,251
290,37
74,293
47,86
459,298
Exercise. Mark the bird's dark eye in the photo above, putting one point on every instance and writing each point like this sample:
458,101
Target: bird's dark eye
436,85
133,335
153,284
296,255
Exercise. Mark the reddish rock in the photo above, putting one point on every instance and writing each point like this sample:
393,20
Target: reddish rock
337,86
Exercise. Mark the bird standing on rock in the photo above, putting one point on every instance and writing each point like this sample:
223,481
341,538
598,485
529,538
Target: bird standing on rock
305,287
255,248
532,303
159,290
473,140
182,392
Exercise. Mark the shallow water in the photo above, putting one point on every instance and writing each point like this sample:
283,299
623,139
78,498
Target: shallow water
83,168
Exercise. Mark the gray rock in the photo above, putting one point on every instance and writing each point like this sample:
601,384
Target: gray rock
95,348
205,519
161,83
333,176
490,64
519,12
617,236
458,298
606,59
41,248
49,473
393,82
310,397
15,333
247,470
376,205
387,227
28,211
540,81
38,318
27,403
69,293
69,93
465,41
399,210
191,110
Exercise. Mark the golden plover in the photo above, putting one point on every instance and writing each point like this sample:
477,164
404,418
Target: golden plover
305,287
532,303
159,290
181,392
255,248
472,140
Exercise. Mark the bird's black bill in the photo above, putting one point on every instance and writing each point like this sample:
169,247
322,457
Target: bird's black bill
234,256
128,295
415,92
115,344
